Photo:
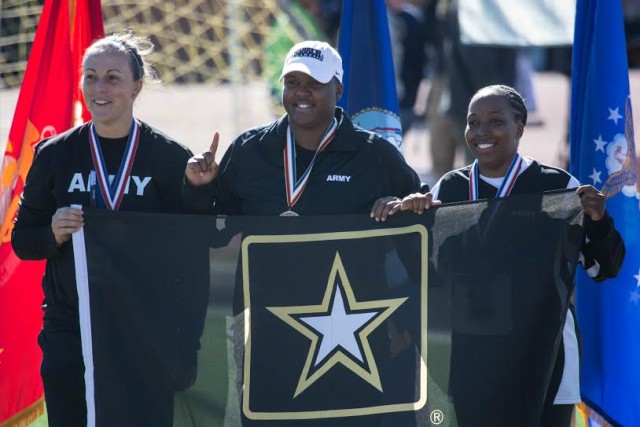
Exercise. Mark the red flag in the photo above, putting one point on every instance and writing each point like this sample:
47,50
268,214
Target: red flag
50,102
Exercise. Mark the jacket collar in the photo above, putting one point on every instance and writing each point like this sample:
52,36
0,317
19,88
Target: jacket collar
344,140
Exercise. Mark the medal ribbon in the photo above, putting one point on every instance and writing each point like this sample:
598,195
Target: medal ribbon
507,184
295,187
113,192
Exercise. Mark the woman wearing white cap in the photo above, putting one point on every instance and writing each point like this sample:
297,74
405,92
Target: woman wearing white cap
311,161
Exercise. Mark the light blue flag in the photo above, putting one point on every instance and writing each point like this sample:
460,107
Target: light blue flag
603,154
370,98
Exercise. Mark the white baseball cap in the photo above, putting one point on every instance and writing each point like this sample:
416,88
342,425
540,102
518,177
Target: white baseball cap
316,59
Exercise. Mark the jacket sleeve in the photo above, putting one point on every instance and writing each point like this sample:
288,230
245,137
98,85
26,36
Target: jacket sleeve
171,193
226,200
403,180
603,250
32,236
197,199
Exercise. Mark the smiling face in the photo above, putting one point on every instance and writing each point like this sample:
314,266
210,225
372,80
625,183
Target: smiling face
309,103
109,91
493,133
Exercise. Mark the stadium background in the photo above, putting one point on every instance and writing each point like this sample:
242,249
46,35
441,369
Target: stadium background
211,55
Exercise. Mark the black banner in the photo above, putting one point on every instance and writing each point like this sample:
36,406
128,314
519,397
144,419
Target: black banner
449,318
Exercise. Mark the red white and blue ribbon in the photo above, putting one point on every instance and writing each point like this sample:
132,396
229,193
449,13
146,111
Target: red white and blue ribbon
295,186
507,184
113,192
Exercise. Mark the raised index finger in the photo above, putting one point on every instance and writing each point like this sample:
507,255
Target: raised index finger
214,144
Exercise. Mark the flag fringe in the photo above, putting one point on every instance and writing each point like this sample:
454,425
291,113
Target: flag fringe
588,415
26,416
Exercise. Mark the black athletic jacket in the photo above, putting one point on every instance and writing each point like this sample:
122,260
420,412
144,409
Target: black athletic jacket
59,177
349,175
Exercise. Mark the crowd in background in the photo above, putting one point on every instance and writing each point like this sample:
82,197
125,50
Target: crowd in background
429,57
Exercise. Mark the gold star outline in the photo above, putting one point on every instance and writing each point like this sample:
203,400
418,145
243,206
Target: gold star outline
289,315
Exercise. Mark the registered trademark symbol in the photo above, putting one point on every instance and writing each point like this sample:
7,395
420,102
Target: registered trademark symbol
436,417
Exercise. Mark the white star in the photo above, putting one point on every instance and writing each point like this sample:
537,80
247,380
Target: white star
637,277
614,115
634,296
595,177
600,143
338,328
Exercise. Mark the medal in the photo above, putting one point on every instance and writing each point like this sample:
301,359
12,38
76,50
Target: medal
289,212
112,191
507,184
294,186
505,189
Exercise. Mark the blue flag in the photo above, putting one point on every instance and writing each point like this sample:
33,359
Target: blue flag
603,155
370,96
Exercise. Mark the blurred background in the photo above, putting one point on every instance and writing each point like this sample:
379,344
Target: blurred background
220,62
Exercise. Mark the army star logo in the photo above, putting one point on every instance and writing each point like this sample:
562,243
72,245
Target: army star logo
339,329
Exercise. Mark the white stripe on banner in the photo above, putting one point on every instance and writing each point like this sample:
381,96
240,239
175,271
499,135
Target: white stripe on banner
517,23
82,280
